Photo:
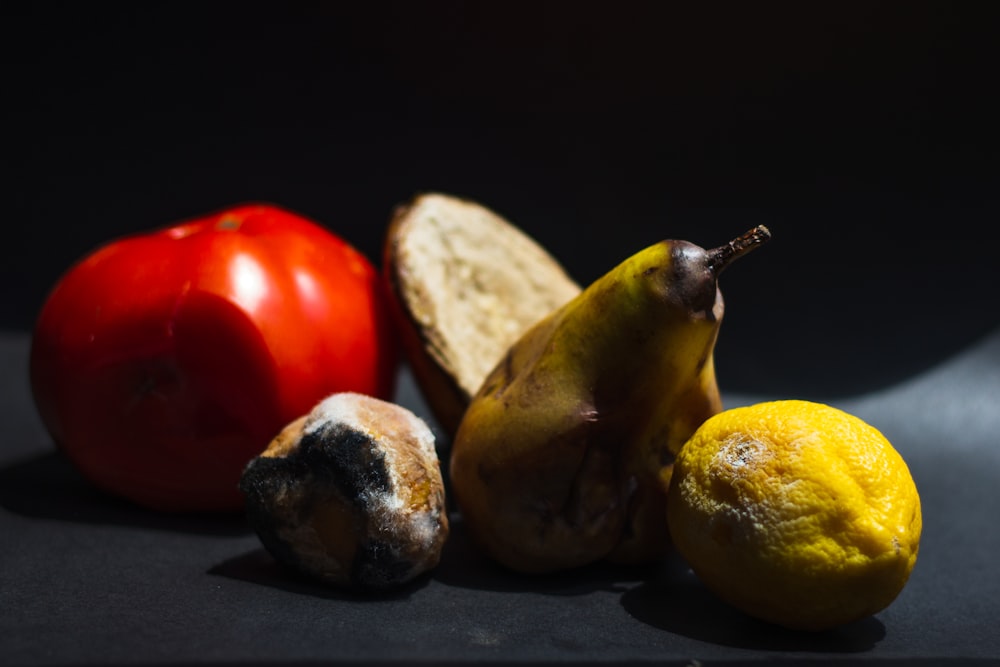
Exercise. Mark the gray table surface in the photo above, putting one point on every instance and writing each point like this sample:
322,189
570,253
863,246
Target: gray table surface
85,579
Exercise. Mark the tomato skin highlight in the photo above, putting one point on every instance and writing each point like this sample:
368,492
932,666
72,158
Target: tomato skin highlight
163,362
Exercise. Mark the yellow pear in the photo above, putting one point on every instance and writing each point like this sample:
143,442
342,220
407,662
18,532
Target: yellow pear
564,454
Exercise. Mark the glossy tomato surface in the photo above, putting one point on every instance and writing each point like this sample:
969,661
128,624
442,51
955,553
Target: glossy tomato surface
163,362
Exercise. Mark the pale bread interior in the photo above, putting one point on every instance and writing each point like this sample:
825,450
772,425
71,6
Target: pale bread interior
471,282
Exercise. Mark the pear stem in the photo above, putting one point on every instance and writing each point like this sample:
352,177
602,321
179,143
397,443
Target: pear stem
721,257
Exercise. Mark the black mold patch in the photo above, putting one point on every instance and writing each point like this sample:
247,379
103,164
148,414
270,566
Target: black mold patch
263,480
330,460
264,476
379,565
348,460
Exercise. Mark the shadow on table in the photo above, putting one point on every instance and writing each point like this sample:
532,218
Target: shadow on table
461,566
666,596
49,487
257,566
676,601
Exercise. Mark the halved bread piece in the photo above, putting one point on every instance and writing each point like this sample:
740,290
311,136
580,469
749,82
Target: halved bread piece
465,284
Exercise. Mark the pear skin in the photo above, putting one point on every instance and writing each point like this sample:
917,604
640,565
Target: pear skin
563,457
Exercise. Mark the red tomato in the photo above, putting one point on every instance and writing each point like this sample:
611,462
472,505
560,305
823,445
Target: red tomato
163,362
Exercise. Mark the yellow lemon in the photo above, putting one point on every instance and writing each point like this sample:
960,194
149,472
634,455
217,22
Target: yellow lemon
795,512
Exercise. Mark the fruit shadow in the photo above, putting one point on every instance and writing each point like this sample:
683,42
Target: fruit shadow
666,596
461,566
47,486
464,565
675,600
259,567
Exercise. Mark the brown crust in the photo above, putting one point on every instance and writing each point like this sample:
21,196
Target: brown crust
464,284
446,399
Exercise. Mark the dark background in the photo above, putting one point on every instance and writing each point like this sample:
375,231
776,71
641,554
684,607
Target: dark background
862,133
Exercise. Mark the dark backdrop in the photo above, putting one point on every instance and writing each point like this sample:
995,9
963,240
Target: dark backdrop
862,133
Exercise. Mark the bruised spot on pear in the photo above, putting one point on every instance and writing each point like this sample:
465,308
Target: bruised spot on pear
498,381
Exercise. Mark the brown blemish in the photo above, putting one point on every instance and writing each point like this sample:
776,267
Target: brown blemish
228,223
504,375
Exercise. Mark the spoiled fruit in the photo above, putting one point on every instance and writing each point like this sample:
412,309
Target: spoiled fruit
564,455
796,513
351,494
